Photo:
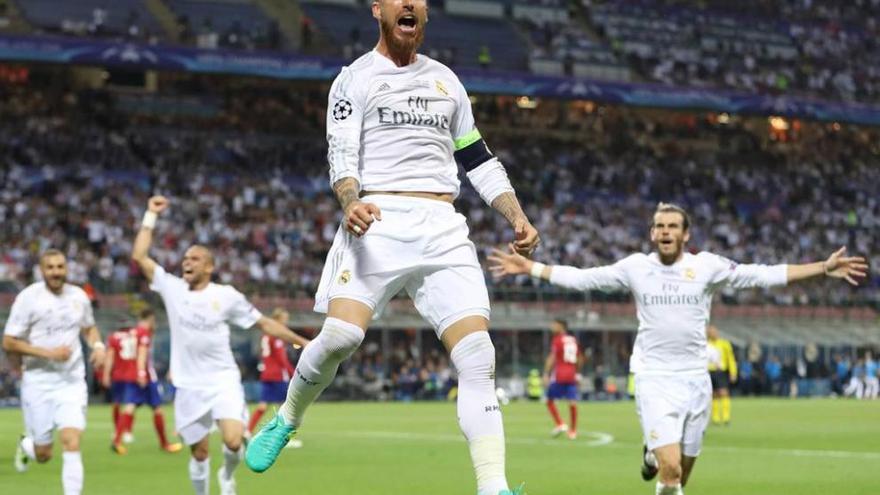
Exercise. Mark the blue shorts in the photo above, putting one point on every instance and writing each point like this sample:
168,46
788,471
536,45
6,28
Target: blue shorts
116,391
135,394
562,391
273,392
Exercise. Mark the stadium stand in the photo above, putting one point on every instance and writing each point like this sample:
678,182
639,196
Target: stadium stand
128,18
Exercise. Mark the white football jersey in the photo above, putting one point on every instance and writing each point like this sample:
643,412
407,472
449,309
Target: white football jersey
201,355
47,320
396,128
673,302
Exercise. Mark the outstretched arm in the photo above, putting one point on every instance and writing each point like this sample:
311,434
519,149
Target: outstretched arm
849,268
273,328
141,248
607,278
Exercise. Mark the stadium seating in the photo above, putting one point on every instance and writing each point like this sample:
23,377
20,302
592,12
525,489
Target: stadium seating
463,36
223,15
98,17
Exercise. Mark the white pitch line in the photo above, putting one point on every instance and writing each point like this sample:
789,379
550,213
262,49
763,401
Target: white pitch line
597,438
602,439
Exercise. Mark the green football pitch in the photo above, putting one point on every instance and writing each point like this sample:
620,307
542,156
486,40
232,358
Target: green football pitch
783,447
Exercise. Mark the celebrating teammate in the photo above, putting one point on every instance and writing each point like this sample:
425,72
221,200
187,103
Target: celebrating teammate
722,372
44,326
673,293
204,372
275,371
564,362
397,123
134,380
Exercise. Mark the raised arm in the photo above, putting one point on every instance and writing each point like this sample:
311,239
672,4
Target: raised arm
606,278
274,329
141,248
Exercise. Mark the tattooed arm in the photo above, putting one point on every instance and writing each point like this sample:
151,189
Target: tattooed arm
526,236
358,215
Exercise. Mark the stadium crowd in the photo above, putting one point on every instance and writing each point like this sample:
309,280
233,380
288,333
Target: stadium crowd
821,48
77,170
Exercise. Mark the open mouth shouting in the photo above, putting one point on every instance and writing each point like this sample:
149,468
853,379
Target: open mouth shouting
407,23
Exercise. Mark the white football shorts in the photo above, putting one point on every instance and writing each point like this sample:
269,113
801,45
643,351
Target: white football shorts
420,245
47,409
196,410
674,409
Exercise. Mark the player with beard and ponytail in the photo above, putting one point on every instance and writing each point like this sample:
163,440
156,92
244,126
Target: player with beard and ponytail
673,291
397,124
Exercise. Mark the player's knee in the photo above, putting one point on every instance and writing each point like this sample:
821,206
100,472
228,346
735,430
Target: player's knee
339,339
232,444
200,453
474,358
670,471
70,444
43,453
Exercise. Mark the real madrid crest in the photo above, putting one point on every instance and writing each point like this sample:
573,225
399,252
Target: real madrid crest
441,88
689,273
344,277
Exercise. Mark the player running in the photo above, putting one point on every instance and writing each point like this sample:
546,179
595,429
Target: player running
673,293
206,378
129,369
397,123
44,327
722,372
564,361
275,373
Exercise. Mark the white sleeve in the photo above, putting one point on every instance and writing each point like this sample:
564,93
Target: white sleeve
483,169
241,312
88,317
160,279
730,273
19,322
345,116
605,278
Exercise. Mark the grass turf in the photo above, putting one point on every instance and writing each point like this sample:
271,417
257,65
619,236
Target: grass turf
800,447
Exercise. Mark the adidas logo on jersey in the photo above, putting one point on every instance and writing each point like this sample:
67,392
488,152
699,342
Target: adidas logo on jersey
384,87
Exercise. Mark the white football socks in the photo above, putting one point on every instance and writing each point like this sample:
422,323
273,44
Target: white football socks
27,445
479,415
317,366
231,459
668,489
198,475
72,473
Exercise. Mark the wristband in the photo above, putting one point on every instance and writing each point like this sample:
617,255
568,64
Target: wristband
98,346
149,221
538,269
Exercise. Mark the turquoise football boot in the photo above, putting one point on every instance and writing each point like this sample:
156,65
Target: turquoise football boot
267,444
520,490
